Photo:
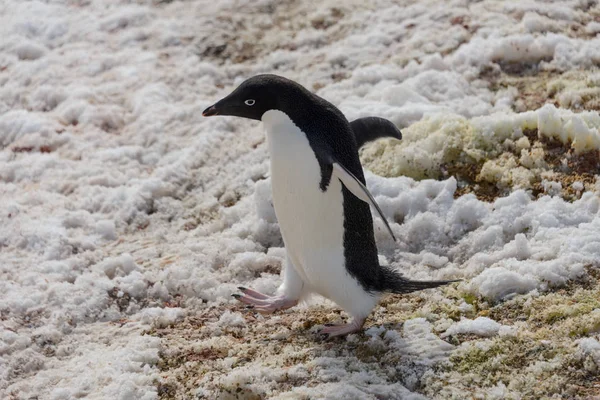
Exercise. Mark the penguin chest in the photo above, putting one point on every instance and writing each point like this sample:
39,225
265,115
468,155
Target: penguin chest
311,220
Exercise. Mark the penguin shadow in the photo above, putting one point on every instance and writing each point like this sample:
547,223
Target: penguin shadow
357,345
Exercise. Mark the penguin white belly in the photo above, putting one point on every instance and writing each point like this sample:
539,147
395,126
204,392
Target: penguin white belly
311,221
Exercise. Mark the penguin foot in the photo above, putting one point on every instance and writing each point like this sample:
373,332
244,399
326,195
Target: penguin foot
263,303
343,329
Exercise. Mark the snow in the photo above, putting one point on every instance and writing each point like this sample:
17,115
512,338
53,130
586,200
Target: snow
481,326
590,347
124,211
231,319
577,185
593,27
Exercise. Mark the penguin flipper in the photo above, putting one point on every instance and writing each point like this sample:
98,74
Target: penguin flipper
359,190
370,128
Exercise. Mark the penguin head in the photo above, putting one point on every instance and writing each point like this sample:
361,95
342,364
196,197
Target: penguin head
257,95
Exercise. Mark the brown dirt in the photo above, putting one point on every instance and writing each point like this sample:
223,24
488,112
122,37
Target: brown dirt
466,174
185,366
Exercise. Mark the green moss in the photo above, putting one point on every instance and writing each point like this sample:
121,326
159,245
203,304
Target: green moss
500,355
579,306
544,349
585,327
470,298
473,360
515,362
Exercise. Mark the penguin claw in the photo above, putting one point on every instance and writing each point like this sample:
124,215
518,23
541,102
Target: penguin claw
253,293
236,295
268,304
264,310
343,329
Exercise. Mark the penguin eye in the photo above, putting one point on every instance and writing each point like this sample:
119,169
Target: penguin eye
249,102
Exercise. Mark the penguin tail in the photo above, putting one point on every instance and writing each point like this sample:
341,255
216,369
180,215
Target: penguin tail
395,283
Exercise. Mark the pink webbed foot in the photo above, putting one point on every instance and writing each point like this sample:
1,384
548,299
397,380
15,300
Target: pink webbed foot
263,303
343,329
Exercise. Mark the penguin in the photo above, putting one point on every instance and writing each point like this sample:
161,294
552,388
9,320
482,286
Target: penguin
320,200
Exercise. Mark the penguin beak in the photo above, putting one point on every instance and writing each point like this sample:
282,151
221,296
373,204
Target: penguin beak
210,111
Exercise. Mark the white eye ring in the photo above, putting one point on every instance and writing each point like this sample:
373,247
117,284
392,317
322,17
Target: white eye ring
249,102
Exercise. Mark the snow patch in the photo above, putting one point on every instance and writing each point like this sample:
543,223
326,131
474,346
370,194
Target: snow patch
480,326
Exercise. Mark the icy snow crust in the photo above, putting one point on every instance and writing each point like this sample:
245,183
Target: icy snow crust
124,210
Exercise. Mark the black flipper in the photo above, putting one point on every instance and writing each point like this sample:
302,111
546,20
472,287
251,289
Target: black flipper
359,190
330,166
394,282
371,128
323,153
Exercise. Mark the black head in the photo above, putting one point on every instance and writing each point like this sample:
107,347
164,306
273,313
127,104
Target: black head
257,95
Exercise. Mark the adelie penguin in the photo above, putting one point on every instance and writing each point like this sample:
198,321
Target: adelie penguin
320,199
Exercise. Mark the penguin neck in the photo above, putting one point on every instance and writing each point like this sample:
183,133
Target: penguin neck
283,135
276,120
